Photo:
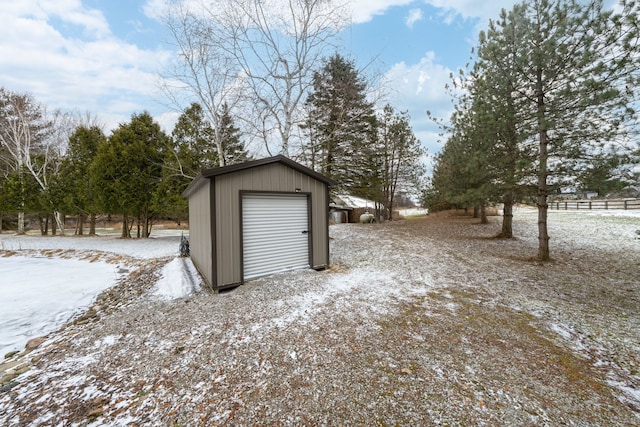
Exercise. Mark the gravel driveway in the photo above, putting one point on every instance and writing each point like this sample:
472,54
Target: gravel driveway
422,322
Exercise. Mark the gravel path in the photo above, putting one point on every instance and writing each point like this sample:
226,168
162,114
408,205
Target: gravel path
422,322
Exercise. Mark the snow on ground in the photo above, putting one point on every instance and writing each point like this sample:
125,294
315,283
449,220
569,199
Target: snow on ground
40,291
179,279
160,244
39,295
415,323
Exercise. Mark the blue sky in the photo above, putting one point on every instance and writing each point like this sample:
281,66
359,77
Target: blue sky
104,56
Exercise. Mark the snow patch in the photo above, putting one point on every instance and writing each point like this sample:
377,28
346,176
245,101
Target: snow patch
154,247
630,391
39,295
180,279
106,341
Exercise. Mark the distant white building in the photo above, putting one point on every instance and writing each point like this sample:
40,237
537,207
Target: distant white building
354,202
347,208
416,211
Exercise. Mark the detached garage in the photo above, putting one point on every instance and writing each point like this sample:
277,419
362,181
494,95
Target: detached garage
257,218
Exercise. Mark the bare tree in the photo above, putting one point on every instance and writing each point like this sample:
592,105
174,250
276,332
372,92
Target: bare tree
203,70
268,50
33,140
18,132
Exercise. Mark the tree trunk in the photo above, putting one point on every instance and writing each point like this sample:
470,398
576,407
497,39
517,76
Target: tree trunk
147,227
92,224
54,231
20,222
59,220
507,216
125,227
0,222
483,214
543,235
391,204
80,225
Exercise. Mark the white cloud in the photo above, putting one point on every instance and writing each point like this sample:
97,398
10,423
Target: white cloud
365,10
155,9
415,15
484,10
87,70
72,12
417,88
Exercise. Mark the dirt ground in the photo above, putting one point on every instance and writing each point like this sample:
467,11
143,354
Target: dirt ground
423,322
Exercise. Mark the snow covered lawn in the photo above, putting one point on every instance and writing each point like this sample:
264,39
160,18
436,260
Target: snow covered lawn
422,322
62,276
38,295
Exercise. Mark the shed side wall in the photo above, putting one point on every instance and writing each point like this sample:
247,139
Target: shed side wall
274,177
200,231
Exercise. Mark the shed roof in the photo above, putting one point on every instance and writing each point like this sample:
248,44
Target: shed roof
213,172
350,201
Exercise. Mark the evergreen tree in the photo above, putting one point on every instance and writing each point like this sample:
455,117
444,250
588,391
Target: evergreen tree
193,149
127,172
232,146
20,192
466,168
454,183
79,193
341,126
601,175
571,68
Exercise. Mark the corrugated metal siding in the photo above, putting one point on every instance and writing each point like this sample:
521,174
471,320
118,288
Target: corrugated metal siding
275,233
274,177
200,230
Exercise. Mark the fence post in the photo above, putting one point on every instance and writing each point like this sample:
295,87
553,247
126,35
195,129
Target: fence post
625,205
606,204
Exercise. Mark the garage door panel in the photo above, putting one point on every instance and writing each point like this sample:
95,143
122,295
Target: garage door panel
275,233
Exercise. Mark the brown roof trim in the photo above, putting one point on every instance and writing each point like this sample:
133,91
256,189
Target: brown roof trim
213,172
193,185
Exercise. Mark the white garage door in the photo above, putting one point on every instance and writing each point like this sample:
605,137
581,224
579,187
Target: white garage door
275,233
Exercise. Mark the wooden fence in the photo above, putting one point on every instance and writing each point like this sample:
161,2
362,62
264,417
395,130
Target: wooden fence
596,204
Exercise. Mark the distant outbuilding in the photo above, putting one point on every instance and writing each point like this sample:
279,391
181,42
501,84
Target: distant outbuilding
257,218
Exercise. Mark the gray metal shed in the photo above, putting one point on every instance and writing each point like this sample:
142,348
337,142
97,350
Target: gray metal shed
257,218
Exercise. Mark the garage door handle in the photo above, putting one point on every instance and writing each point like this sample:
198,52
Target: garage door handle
305,232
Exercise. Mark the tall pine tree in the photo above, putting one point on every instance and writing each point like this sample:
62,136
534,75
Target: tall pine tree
572,67
341,126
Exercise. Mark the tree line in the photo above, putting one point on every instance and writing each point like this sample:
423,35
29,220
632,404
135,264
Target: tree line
549,102
51,167
245,74
56,164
